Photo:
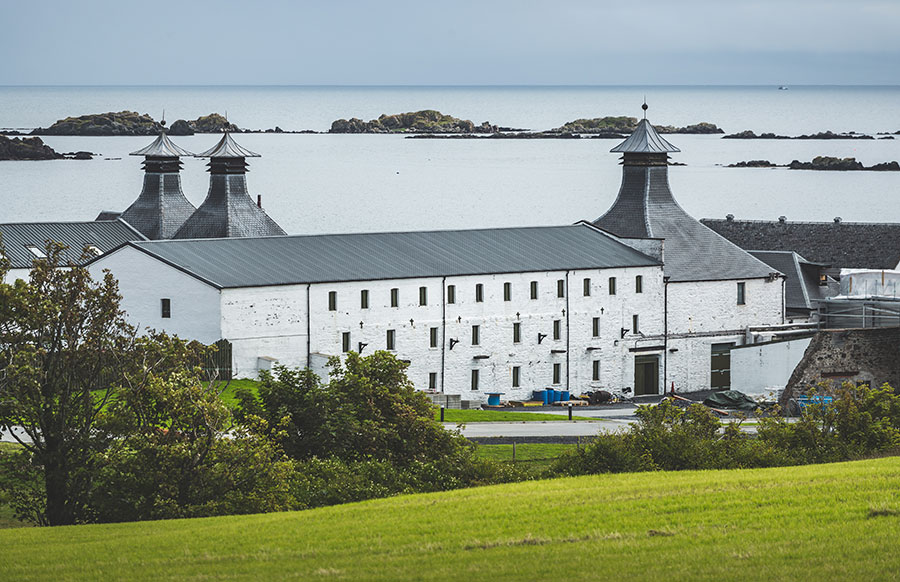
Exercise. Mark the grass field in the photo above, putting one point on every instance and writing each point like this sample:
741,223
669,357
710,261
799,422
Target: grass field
455,415
228,396
819,522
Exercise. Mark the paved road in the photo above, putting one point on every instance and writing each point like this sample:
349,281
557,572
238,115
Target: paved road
574,428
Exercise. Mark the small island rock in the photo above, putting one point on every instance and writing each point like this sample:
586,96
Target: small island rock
27,148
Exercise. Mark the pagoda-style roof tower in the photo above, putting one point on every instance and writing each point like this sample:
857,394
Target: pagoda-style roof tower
646,208
161,208
228,210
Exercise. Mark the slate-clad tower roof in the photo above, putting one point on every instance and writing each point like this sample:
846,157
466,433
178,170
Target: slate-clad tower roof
228,210
161,208
645,208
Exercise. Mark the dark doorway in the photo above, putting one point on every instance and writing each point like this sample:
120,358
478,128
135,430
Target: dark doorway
720,366
646,375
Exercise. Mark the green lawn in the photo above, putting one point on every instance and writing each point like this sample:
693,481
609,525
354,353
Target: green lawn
454,415
817,522
537,457
228,396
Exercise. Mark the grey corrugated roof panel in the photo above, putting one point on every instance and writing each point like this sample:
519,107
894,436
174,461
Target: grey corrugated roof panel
645,140
851,245
162,147
228,148
106,235
286,260
645,208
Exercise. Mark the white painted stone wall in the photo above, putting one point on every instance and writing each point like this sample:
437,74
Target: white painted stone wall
14,274
764,369
707,313
144,281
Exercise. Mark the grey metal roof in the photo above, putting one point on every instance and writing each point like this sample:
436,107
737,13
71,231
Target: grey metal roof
228,148
228,211
802,286
645,208
162,147
851,245
161,208
105,235
251,262
645,140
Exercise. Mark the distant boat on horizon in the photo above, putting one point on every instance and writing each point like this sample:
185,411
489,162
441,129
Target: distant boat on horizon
782,88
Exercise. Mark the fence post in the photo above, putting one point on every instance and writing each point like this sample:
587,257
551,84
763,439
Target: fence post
514,452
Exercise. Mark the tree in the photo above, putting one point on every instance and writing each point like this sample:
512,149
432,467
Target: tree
65,351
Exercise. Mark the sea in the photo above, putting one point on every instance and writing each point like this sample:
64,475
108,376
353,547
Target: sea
321,183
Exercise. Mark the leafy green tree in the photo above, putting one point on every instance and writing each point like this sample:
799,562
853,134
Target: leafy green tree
368,410
66,351
178,453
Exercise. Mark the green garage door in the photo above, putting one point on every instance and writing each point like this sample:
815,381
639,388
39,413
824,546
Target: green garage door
720,366
646,375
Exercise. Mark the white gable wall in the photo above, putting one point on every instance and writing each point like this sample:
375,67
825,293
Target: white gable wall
144,281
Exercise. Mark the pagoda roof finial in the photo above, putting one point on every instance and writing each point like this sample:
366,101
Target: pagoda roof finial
162,147
645,139
228,148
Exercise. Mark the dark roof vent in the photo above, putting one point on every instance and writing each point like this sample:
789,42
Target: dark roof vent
782,219
729,217
837,219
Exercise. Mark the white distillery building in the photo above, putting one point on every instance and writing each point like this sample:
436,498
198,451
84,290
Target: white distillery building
473,311
716,294
643,297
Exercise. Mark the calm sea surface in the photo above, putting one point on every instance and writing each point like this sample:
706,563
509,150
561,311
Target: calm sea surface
355,183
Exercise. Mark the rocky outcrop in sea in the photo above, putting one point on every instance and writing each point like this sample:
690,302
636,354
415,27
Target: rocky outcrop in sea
824,163
26,148
212,123
748,134
121,123
425,121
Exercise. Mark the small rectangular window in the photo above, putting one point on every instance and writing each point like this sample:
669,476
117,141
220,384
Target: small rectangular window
423,295
451,293
561,288
474,379
612,285
479,293
433,337
507,291
432,380
517,332
595,327
391,339
345,341
635,324
534,290
639,284
557,373
332,301
587,287
364,299
395,297
741,293
37,252
476,335
516,376
595,376
166,305
557,329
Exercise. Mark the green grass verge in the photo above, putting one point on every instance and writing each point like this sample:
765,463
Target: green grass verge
524,451
454,415
228,396
817,522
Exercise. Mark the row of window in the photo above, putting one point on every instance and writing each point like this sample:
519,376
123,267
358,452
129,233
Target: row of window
433,333
516,378
479,292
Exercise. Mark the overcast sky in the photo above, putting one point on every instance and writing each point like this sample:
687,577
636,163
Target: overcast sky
433,42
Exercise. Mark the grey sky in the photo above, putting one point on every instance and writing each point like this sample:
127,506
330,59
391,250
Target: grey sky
422,42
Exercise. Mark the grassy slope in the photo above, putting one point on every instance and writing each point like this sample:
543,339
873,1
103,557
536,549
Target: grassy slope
802,523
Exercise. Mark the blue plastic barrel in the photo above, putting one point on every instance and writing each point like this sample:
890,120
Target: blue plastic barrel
493,399
540,395
553,396
564,395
